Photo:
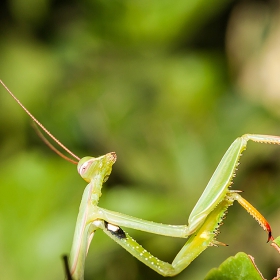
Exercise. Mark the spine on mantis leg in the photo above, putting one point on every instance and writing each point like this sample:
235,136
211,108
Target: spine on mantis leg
204,237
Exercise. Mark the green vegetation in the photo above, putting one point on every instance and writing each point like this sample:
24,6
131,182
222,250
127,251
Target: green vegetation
167,85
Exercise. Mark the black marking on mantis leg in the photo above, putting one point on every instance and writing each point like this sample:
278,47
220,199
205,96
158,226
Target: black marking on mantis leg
115,230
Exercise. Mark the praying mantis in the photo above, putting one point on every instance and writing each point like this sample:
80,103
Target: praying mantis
203,223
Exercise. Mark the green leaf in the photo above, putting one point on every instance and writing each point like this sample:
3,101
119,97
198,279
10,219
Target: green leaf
241,266
276,244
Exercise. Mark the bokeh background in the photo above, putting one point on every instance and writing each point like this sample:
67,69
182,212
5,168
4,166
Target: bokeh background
167,85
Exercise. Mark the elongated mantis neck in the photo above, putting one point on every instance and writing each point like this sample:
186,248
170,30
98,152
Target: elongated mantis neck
46,131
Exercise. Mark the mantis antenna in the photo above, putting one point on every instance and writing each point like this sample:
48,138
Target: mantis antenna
46,141
46,131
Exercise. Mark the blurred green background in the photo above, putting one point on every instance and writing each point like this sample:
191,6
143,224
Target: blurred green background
167,85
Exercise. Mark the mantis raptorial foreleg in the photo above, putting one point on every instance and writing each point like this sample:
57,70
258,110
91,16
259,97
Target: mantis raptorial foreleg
196,244
203,222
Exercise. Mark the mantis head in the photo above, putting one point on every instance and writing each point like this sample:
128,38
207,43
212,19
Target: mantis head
89,167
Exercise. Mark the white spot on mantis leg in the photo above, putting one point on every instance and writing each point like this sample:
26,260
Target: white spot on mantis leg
112,227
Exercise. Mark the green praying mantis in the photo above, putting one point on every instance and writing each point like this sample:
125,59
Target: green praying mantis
203,223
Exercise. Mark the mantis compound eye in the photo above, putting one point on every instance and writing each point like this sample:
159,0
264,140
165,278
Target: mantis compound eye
84,167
